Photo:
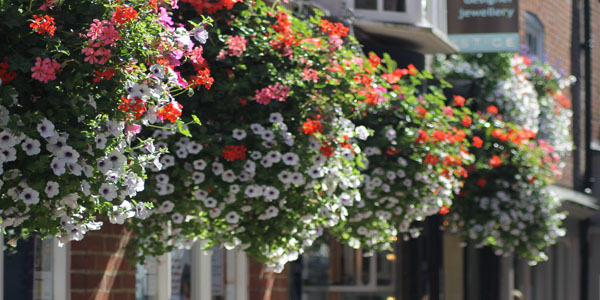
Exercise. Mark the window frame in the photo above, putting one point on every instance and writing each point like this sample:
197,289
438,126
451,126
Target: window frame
413,14
535,28
360,287
61,265
236,281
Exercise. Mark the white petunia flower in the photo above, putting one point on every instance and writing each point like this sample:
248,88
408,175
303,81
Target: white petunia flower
100,140
46,128
273,156
285,176
390,134
253,191
200,194
257,128
167,161
267,135
315,172
141,211
234,189
199,164
75,168
255,155
298,179
271,193
103,165
70,200
217,168
177,218
157,70
194,148
361,132
67,154
85,188
31,146
210,202
200,34
265,162
198,177
162,178
166,207
52,189
290,159
250,166
215,212
30,196
271,212
7,140
232,217
275,118
239,134
115,128
108,191
58,166
228,176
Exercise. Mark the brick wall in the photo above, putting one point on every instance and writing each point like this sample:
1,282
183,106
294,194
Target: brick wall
267,285
556,16
99,270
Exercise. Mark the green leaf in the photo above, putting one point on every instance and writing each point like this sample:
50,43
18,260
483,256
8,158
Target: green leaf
182,130
196,120
390,63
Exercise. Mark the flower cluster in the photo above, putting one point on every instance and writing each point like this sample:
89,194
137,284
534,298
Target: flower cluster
413,165
274,173
505,202
68,113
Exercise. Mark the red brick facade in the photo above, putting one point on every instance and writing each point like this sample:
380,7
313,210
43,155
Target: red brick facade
99,270
556,16
267,285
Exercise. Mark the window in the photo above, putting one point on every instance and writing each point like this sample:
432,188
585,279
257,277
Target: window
193,274
36,269
534,35
335,271
396,11
394,5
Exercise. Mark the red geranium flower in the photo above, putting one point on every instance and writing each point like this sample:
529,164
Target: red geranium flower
311,126
232,152
477,142
124,14
492,109
44,24
495,161
170,112
459,100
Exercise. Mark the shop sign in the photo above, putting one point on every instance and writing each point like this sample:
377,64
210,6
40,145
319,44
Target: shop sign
484,25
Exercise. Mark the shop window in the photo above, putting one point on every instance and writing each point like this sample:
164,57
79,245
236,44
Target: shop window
33,270
335,271
534,35
182,275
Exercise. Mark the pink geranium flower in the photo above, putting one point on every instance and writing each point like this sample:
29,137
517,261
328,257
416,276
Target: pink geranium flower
45,70
236,45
